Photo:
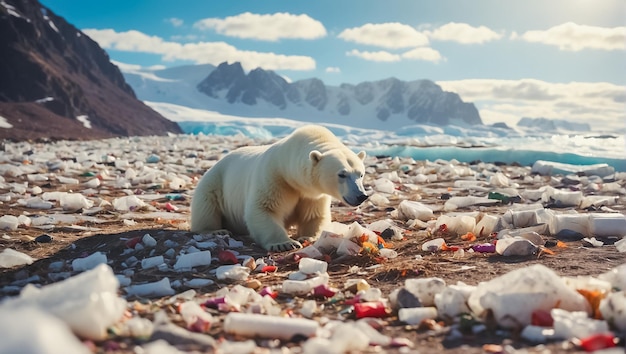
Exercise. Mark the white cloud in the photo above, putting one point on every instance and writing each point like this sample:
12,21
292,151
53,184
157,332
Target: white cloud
199,52
423,53
601,103
271,27
573,37
386,35
333,69
464,33
176,22
380,56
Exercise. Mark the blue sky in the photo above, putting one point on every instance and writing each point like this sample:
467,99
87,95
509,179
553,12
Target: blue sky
557,59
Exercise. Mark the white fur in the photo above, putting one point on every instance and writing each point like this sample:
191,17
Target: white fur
263,190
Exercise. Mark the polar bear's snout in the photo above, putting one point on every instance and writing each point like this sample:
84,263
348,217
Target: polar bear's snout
352,191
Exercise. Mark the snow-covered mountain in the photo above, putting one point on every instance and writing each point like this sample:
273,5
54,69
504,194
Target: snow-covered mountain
227,89
552,125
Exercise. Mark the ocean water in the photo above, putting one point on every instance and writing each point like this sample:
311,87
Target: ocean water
464,144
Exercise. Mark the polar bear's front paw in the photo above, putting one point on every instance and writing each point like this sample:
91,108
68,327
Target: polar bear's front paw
284,246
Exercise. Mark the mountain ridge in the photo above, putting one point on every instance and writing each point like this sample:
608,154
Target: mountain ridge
58,83
384,104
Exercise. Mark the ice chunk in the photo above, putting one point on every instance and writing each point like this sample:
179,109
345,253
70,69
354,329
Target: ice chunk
32,330
87,302
549,167
513,297
11,258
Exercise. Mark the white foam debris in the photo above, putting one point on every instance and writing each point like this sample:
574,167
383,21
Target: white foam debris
12,258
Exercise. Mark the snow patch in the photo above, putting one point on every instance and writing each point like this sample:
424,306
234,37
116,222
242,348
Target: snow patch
4,123
12,11
85,120
44,100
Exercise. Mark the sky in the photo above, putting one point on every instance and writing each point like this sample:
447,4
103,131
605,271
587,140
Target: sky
561,59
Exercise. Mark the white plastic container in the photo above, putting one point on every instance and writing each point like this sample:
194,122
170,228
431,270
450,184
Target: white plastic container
311,266
613,224
89,262
486,225
458,224
151,262
415,315
425,289
154,289
190,260
408,210
578,223
264,326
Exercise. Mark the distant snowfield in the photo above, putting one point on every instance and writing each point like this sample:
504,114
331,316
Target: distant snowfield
465,144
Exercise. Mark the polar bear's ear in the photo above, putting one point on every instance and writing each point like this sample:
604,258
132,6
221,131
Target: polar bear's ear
315,156
361,155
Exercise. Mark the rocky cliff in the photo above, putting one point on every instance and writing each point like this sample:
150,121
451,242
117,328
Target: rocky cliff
58,83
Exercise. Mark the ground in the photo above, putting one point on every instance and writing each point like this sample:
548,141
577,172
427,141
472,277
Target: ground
68,243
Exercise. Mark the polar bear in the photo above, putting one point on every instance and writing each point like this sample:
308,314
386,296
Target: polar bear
261,191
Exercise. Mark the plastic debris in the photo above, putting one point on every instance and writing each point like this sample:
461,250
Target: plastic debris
190,260
11,258
252,325
514,296
87,302
416,315
154,289
89,262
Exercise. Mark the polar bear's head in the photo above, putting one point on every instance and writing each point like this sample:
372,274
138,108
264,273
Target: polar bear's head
339,173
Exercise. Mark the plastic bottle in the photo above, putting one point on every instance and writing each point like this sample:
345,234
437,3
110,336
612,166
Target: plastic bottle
264,326
311,266
375,309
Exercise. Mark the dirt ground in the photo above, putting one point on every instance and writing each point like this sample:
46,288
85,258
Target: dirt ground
68,243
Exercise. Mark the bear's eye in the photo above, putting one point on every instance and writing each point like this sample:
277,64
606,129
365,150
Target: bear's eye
342,175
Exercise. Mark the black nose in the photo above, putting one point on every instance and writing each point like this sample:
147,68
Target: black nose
362,198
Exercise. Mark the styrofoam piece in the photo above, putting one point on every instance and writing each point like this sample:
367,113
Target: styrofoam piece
308,308
452,301
384,185
264,326
415,315
33,330
425,289
513,296
89,262
87,302
613,309
311,266
408,209
190,260
74,201
154,289
612,224
576,324
232,272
